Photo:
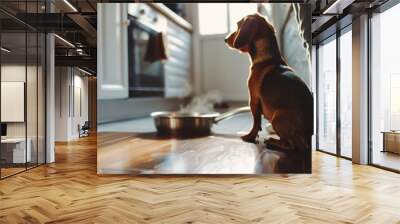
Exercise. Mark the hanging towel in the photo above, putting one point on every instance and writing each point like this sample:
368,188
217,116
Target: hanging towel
155,48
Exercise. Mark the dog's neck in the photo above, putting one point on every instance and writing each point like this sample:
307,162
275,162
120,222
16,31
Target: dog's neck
265,51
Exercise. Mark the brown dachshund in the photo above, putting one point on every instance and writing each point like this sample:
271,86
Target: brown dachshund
275,91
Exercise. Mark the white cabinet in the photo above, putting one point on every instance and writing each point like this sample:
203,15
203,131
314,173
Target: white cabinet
178,83
112,51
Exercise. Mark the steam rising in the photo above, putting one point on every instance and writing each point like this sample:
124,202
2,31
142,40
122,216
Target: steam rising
203,103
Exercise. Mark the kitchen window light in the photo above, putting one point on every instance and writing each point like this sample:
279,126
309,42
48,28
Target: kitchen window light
221,18
239,10
213,18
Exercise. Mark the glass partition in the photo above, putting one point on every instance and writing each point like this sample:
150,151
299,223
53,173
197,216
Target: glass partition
327,96
14,153
31,99
385,89
346,93
41,97
22,88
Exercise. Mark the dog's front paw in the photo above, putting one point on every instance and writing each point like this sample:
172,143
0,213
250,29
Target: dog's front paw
249,138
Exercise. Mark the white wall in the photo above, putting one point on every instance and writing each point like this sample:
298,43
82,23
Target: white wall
14,72
215,66
17,73
70,84
224,69
33,125
360,90
61,103
13,100
79,117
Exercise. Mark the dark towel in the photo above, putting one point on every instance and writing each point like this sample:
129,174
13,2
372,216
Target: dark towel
155,48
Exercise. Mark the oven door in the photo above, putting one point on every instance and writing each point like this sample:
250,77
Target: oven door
146,79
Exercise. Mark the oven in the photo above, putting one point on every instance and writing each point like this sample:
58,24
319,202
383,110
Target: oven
146,79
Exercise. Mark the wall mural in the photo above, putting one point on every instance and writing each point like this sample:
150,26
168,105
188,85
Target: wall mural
175,114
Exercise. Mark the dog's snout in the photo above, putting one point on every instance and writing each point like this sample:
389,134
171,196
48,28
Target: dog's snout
226,40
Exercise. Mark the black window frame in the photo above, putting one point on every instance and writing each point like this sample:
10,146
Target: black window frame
333,37
378,10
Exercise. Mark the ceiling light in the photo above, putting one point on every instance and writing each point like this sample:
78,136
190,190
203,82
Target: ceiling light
5,50
65,41
70,5
337,7
84,71
331,7
80,51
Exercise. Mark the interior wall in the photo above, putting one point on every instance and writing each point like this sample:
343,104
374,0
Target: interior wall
224,69
71,87
50,97
62,113
92,108
80,109
360,89
33,126
16,73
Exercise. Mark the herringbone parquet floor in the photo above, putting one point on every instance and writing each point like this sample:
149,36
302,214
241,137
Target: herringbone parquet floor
69,191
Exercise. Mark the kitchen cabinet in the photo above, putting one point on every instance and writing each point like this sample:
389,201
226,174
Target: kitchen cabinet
178,67
112,51
113,83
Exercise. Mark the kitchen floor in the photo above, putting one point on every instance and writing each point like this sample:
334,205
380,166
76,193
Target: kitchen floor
133,147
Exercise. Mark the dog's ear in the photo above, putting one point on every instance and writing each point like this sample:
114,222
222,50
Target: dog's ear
245,34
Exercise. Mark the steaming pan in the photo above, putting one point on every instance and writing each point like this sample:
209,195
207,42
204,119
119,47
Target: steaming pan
183,124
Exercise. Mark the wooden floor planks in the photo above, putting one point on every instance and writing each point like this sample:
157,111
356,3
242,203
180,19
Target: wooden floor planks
70,191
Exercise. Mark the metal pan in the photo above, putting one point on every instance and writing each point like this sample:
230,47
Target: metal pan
188,124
